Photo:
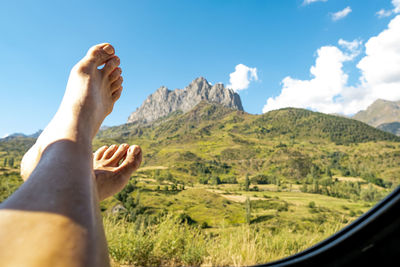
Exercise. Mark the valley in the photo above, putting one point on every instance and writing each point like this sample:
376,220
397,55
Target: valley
219,186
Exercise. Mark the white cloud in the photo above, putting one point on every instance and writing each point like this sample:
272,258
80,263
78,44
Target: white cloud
4,136
353,47
396,4
328,91
307,2
380,67
386,13
341,14
241,77
320,92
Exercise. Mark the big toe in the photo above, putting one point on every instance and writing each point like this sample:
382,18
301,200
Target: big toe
132,161
99,54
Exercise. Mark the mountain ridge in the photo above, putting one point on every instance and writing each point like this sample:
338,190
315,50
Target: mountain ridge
379,112
164,101
297,122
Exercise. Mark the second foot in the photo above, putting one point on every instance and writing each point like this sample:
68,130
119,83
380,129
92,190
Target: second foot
112,166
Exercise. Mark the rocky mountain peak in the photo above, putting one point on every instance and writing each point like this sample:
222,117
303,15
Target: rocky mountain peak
164,101
380,112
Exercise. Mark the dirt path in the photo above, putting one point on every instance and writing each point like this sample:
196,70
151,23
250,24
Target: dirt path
152,168
234,198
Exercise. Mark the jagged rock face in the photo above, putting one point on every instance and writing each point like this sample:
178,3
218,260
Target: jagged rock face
380,112
164,101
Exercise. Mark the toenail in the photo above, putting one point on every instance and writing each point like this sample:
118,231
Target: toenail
109,49
136,150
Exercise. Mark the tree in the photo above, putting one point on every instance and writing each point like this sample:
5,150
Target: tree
304,188
316,186
314,171
203,180
248,210
5,162
170,177
11,162
328,171
156,174
247,183
215,180
173,187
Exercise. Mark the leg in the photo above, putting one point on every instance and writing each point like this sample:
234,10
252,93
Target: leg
113,167
53,218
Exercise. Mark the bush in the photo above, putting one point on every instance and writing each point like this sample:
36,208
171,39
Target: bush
311,204
204,225
262,179
203,180
229,180
185,218
215,180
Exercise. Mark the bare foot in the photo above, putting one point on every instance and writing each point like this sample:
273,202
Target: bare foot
113,167
89,97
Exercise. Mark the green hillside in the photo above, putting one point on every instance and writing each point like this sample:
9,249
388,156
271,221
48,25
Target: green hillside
392,127
288,144
252,188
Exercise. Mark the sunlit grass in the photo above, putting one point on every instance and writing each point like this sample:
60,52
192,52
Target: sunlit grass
171,243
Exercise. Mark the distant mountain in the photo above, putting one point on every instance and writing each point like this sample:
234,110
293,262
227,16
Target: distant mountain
284,123
380,112
164,101
18,135
212,139
392,127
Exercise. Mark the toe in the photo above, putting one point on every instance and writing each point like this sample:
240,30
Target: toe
117,84
117,94
132,161
100,53
115,75
111,65
109,152
119,154
100,152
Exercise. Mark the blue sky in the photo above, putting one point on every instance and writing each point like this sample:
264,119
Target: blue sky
171,42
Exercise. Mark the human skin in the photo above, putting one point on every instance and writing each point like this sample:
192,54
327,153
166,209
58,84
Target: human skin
53,219
112,166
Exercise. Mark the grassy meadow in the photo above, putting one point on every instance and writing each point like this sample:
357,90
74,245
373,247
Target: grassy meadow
210,225
219,187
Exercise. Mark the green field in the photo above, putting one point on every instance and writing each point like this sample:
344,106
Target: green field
223,187
216,230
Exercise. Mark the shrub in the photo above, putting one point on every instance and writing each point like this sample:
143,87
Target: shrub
262,179
229,180
215,180
203,180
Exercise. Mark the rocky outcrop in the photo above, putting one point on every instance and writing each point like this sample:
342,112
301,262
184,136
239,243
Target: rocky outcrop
164,101
391,127
380,112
